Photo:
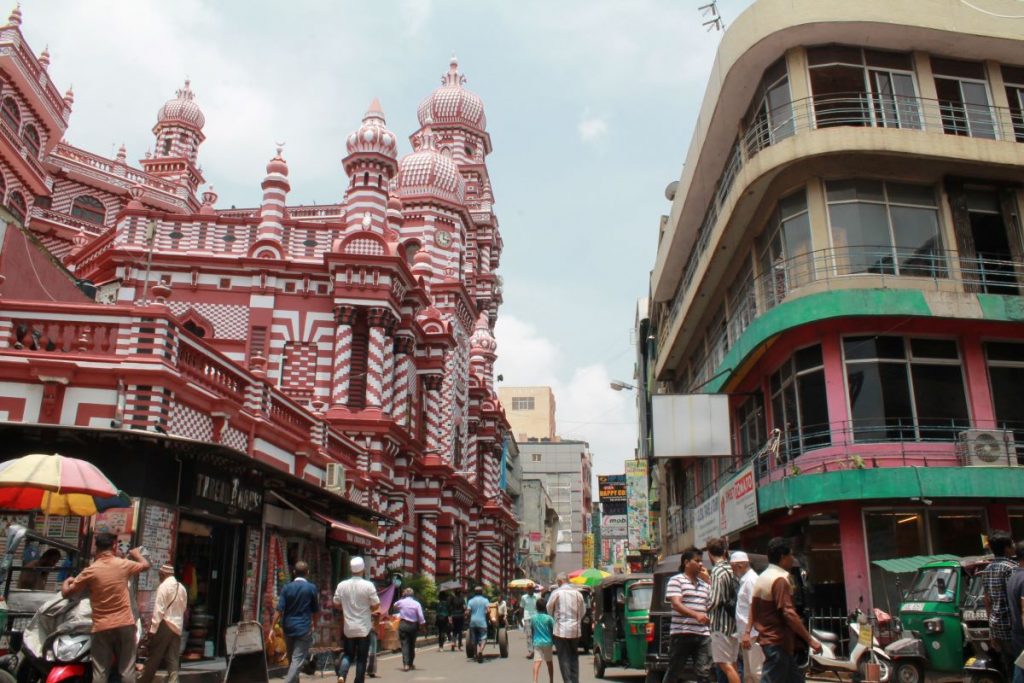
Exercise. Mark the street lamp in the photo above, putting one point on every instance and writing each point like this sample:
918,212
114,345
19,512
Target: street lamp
619,385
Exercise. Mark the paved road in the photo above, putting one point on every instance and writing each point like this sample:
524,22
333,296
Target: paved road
435,667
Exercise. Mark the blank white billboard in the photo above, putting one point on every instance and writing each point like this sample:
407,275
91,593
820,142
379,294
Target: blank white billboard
691,425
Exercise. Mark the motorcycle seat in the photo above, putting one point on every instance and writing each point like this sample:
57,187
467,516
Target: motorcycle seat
825,636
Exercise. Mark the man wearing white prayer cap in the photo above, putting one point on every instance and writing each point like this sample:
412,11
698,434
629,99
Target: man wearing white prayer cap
751,652
357,600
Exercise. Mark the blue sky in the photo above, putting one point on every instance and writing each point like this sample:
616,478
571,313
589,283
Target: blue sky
590,106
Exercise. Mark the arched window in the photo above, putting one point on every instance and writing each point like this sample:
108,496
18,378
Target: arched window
195,328
16,205
10,113
411,249
30,136
89,209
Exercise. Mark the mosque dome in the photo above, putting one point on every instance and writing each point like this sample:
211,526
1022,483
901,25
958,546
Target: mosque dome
182,109
482,339
429,172
373,136
452,103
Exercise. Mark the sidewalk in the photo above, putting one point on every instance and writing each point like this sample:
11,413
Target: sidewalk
426,643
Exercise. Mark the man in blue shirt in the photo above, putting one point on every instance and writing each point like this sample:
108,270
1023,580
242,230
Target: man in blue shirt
477,608
297,607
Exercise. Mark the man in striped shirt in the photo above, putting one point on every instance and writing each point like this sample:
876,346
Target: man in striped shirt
688,592
725,646
566,607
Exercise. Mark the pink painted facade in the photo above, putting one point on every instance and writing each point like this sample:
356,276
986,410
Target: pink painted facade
358,333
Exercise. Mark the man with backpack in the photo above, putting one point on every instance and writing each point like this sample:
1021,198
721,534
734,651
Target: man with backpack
725,646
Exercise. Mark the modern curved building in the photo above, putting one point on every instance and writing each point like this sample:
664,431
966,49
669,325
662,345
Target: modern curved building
844,258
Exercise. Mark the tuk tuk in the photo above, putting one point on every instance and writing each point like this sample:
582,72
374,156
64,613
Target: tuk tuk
621,606
933,637
983,665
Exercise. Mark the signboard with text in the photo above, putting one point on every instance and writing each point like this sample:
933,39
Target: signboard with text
707,521
614,526
637,511
738,501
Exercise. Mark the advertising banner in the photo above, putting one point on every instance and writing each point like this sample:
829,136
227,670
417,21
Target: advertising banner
614,526
707,521
637,509
611,487
739,501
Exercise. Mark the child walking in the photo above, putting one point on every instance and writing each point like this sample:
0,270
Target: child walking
543,644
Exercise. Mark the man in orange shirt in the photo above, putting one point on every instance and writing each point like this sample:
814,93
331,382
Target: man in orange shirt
113,623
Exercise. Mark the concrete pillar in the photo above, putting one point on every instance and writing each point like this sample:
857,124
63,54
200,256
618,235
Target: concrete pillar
342,371
852,543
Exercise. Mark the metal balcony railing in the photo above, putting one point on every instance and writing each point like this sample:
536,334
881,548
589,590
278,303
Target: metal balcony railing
858,110
926,267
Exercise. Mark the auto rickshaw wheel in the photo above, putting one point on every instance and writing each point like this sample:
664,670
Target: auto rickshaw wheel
598,664
7,677
907,672
503,642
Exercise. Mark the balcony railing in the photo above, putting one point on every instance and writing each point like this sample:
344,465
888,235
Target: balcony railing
927,268
871,444
859,110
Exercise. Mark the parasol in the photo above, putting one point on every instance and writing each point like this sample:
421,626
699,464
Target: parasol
521,583
57,485
589,577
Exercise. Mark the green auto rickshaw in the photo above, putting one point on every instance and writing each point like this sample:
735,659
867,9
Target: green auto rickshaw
620,608
933,638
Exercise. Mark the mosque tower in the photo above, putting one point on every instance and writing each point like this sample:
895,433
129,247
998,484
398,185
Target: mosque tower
179,132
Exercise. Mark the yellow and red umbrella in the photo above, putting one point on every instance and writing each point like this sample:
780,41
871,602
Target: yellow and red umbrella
56,485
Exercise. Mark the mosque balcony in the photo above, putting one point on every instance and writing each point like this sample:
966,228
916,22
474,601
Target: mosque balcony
33,82
64,225
104,353
23,162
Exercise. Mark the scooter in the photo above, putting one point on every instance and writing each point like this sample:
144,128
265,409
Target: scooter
861,654
57,643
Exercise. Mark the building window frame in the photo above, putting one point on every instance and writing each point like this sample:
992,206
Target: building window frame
523,403
89,209
786,386
10,112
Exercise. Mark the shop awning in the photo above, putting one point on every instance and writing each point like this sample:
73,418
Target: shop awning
906,565
346,533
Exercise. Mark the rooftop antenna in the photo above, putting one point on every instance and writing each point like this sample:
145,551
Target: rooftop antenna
713,20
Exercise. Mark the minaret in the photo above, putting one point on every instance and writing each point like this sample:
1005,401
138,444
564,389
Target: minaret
179,132
370,166
275,191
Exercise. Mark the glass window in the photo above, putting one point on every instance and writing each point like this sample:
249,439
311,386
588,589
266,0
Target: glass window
522,403
30,136
640,598
899,396
751,432
770,117
964,103
89,209
886,228
16,205
1006,377
855,87
786,254
799,404
1013,78
10,113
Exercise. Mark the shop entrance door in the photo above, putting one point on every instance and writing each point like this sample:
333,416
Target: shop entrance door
209,558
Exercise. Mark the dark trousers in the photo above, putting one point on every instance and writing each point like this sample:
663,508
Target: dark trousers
1006,656
683,648
779,666
355,650
568,650
114,643
442,631
458,627
407,632
164,648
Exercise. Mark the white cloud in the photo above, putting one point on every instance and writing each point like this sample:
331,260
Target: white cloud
592,128
587,408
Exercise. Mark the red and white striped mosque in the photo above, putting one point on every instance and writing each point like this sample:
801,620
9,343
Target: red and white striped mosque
319,372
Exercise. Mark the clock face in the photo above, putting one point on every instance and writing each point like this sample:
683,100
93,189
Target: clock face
443,238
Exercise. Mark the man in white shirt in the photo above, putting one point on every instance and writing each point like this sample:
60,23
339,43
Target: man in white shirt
566,606
357,599
165,628
753,657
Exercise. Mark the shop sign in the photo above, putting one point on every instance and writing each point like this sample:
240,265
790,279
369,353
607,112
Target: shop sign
637,513
229,492
739,501
614,526
707,521
611,487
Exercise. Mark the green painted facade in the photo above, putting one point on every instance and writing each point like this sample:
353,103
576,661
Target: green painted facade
892,482
846,303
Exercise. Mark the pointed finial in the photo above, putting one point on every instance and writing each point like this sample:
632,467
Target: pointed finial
280,149
15,18
122,153
453,77
44,57
69,96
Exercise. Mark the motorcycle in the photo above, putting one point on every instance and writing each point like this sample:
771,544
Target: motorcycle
864,650
56,644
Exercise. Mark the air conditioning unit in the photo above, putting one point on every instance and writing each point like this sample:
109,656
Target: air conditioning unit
335,479
986,448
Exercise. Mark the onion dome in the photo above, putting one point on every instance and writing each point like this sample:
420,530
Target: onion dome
69,96
44,58
452,103
373,136
15,18
429,172
482,339
277,165
182,109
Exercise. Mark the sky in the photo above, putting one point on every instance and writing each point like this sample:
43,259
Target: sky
590,106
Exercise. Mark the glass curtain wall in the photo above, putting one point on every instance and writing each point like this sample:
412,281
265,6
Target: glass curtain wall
785,249
885,228
905,389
